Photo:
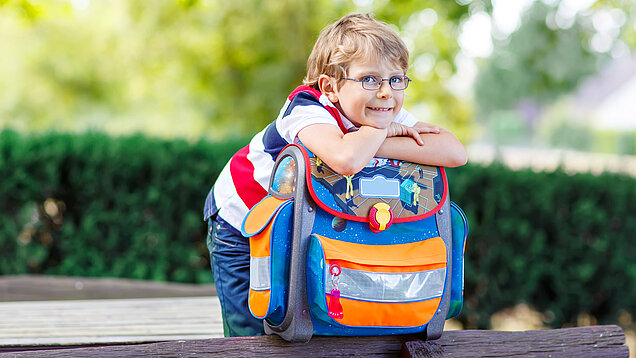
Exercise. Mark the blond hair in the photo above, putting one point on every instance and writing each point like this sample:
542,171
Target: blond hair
353,37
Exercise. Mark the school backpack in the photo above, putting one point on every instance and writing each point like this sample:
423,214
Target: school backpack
375,253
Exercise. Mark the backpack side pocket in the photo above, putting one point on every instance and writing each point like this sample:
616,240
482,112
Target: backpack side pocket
268,226
459,228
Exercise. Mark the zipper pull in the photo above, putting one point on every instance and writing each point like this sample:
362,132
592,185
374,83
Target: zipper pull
335,308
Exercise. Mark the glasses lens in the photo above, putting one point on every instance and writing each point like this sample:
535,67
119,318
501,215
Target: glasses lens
371,82
399,82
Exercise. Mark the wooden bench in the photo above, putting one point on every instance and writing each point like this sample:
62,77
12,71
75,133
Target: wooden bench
33,324
45,311
39,287
128,318
594,341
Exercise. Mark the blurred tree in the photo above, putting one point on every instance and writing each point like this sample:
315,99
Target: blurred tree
624,13
194,67
536,63
430,29
547,57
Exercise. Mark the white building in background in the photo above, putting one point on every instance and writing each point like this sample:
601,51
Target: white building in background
607,101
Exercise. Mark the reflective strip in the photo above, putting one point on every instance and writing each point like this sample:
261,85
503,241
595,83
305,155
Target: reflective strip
259,273
388,287
427,252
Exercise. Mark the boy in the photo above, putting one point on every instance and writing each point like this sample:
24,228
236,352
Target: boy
349,111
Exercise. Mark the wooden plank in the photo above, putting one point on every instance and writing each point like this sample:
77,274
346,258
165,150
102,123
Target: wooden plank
67,322
596,341
593,341
37,287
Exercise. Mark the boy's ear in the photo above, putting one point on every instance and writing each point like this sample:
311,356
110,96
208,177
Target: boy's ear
328,87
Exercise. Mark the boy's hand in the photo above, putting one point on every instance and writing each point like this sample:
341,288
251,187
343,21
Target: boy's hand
400,130
423,127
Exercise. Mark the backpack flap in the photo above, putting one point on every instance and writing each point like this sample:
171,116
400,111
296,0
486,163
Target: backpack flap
260,215
384,192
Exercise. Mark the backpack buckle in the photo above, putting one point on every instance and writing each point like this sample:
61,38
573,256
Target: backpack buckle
380,217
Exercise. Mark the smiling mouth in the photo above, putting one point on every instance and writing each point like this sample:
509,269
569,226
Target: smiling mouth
380,109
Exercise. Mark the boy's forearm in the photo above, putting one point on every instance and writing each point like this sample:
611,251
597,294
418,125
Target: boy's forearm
359,148
346,154
442,149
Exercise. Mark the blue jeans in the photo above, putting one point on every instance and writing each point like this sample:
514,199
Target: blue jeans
230,258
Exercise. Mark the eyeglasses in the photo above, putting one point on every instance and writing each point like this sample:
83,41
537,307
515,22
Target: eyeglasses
372,83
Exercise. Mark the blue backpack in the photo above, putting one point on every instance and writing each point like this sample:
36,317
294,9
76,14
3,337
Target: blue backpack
375,253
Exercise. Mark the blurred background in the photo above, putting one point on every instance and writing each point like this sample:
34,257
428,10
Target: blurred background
541,74
116,116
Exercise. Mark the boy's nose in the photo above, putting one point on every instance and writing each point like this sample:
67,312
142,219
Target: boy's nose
385,91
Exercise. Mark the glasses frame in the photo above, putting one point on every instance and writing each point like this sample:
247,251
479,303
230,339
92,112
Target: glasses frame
381,80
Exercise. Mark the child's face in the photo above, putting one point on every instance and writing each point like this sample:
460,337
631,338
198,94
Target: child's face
375,108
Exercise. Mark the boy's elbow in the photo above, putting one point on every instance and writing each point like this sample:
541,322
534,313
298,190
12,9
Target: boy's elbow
457,158
454,152
346,168
346,165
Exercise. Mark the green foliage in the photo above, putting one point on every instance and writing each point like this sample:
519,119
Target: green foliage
188,68
91,205
537,63
626,15
509,126
534,69
430,29
559,129
561,243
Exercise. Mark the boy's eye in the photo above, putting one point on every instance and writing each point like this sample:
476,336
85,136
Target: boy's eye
397,79
370,79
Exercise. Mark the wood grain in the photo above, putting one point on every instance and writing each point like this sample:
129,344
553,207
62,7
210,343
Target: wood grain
594,341
38,323
38,287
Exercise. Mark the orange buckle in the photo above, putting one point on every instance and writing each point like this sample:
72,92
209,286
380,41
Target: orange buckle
380,217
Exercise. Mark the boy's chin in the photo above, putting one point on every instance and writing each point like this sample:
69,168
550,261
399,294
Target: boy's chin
381,123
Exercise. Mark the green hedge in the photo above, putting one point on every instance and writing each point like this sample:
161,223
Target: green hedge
92,205
565,244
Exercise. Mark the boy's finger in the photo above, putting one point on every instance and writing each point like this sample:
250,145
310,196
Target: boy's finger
432,129
429,128
417,137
